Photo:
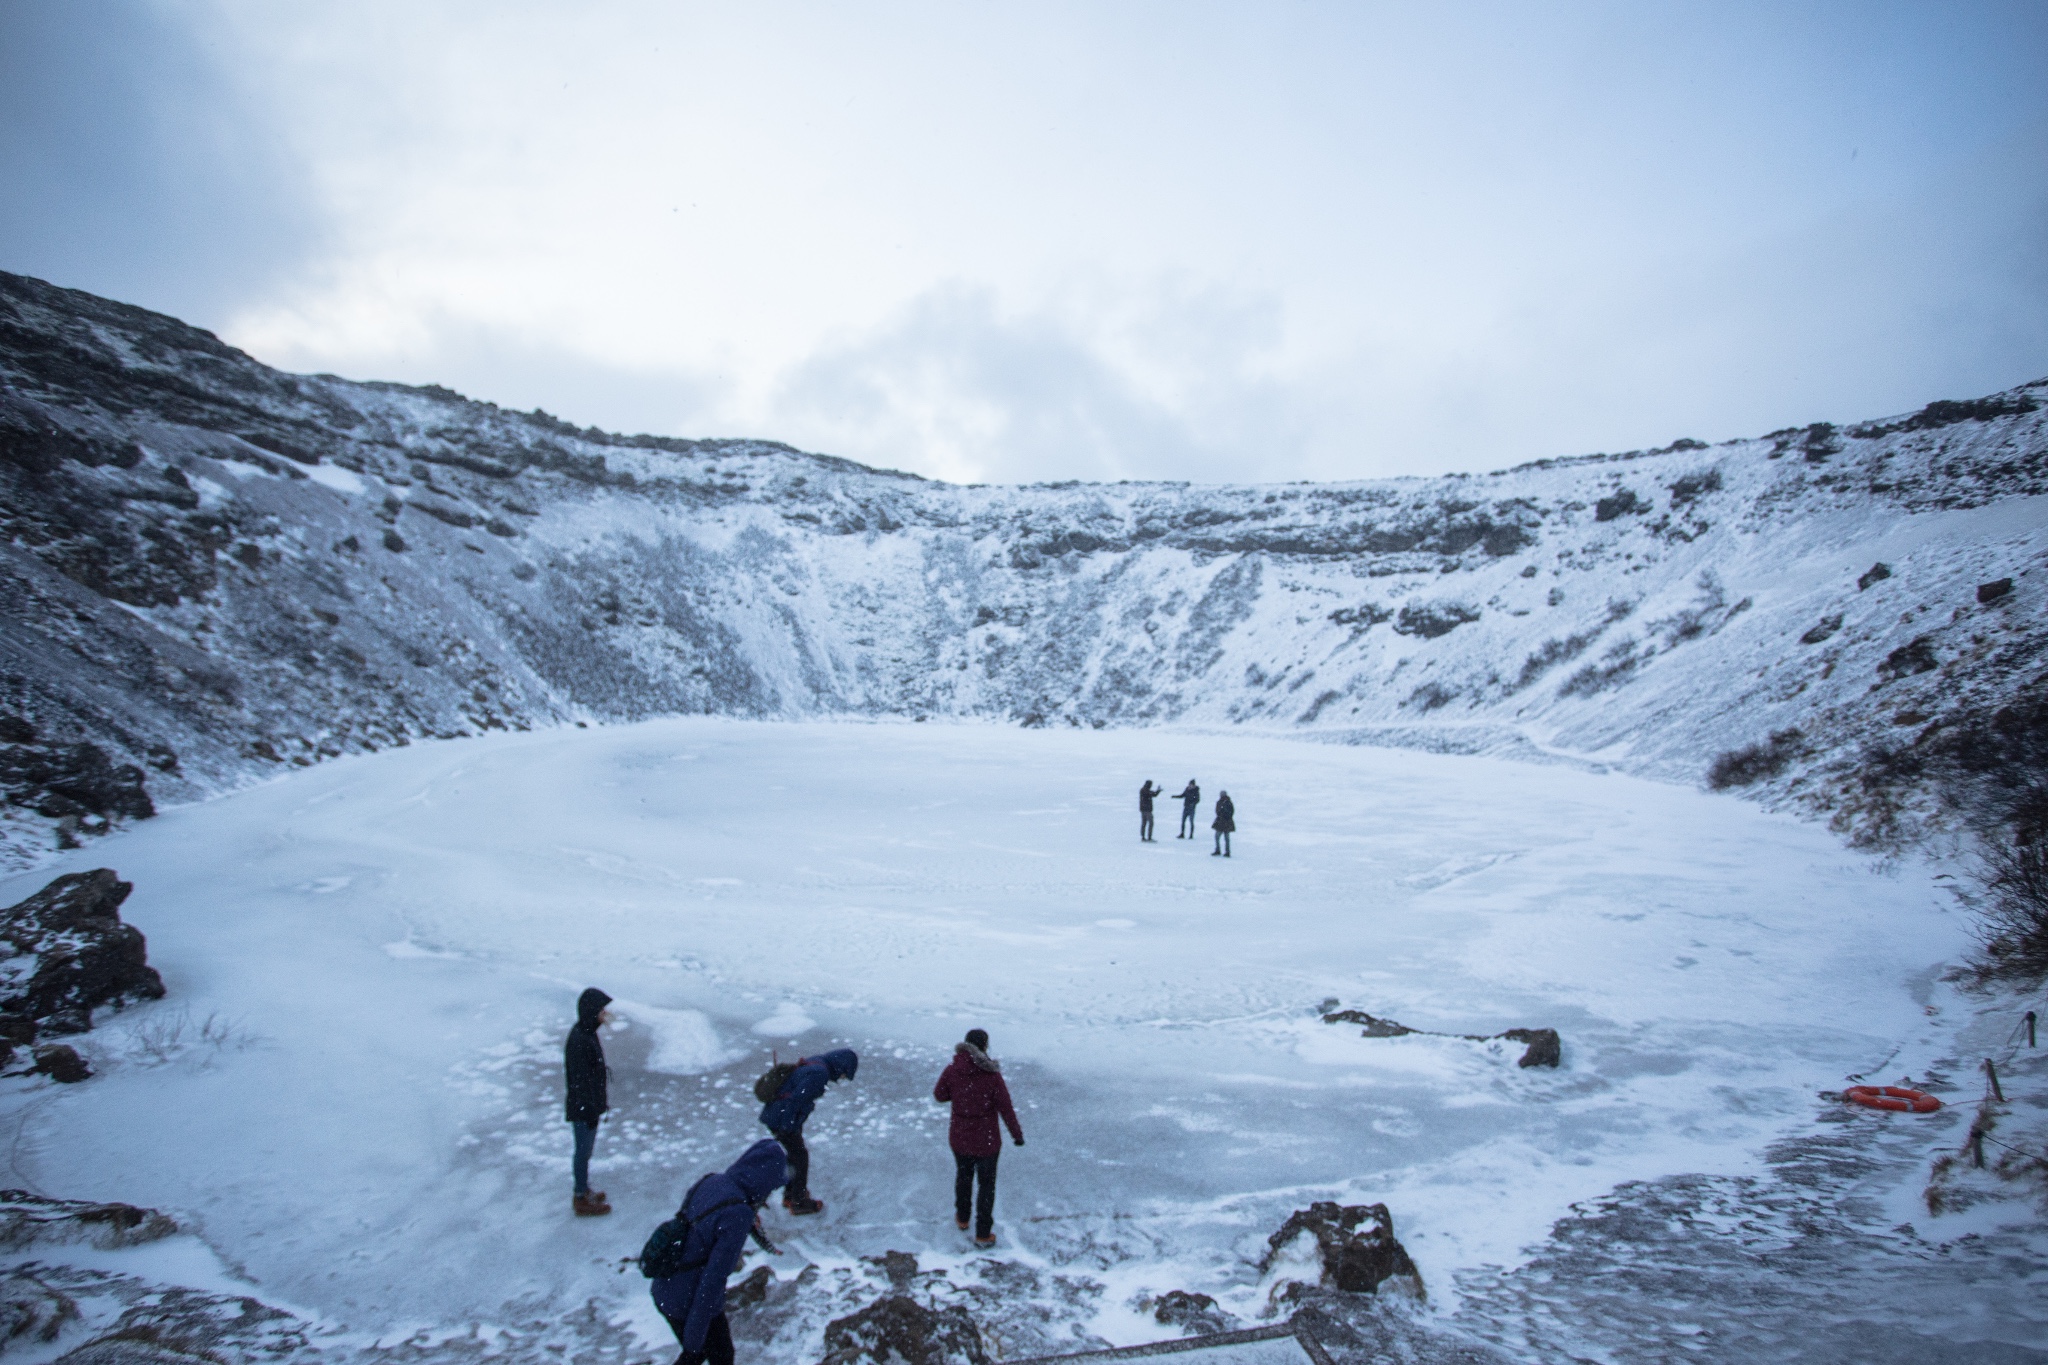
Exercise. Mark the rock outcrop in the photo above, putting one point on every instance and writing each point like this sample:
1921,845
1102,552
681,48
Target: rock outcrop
28,1220
1352,1246
898,1330
66,953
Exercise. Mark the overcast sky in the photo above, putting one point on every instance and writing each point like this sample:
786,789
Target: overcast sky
1039,241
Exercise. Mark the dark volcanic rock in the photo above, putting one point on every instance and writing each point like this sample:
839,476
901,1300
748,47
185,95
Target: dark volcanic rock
899,1330
61,1063
31,1219
73,779
1355,1245
1375,1027
66,952
1997,588
1545,1047
752,1290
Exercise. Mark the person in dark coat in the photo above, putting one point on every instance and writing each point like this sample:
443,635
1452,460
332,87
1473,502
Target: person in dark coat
784,1116
1145,795
584,1069
1190,798
721,1210
973,1084
1224,823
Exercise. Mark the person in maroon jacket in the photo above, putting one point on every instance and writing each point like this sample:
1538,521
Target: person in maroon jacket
973,1085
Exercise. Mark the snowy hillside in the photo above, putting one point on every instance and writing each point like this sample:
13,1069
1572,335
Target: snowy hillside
213,571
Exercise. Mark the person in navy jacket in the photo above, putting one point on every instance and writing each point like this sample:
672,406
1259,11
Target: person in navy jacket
784,1116
721,1212
974,1086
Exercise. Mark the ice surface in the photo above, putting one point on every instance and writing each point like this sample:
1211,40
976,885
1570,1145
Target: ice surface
399,941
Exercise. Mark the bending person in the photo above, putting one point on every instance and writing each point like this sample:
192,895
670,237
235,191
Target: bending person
786,1113
720,1211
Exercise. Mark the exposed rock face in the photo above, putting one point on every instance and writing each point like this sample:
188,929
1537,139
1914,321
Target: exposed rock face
1352,1260
30,1219
898,1330
62,1064
67,953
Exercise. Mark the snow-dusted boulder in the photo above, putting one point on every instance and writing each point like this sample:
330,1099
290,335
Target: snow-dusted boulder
1197,1315
64,952
898,1330
1346,1247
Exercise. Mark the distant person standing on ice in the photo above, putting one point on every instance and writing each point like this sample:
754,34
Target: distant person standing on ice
789,1092
583,1067
1145,795
1190,798
690,1257
1224,823
974,1086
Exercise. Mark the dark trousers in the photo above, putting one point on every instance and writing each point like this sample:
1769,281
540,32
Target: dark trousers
1145,825
1222,842
1187,823
799,1187
717,1343
965,1169
579,1165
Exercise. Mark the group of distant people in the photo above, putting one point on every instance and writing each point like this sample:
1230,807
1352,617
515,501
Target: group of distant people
690,1256
1190,798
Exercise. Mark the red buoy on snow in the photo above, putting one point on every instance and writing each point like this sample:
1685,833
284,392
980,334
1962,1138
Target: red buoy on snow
1893,1097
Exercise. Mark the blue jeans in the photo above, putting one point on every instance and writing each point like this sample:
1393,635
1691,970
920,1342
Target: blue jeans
586,1138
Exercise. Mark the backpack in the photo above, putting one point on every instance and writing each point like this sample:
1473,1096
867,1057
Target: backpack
663,1254
772,1080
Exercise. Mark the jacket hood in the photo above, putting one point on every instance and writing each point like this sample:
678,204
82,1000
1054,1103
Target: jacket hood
841,1063
978,1057
761,1169
589,1005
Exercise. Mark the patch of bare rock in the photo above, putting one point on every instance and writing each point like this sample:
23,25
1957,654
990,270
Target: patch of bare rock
65,952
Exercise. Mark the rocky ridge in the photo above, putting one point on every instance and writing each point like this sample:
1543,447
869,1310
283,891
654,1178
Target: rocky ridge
213,571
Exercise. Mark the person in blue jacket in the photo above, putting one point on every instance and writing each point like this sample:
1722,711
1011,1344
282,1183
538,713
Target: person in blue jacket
784,1116
721,1212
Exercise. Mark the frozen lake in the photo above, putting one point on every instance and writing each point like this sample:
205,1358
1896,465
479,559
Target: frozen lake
398,941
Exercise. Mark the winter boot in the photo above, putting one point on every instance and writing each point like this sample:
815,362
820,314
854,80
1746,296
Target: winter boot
985,1242
591,1206
804,1208
960,1223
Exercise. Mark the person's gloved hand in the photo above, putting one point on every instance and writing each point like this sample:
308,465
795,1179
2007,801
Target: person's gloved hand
1020,1142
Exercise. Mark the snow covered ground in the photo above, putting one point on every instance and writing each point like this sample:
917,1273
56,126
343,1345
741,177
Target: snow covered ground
388,949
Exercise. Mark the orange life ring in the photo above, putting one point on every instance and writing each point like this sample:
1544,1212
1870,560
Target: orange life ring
1894,1097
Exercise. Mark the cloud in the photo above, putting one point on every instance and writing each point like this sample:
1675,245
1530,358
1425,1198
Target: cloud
1161,386
133,167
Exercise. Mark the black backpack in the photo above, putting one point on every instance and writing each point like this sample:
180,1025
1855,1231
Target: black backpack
772,1080
663,1254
